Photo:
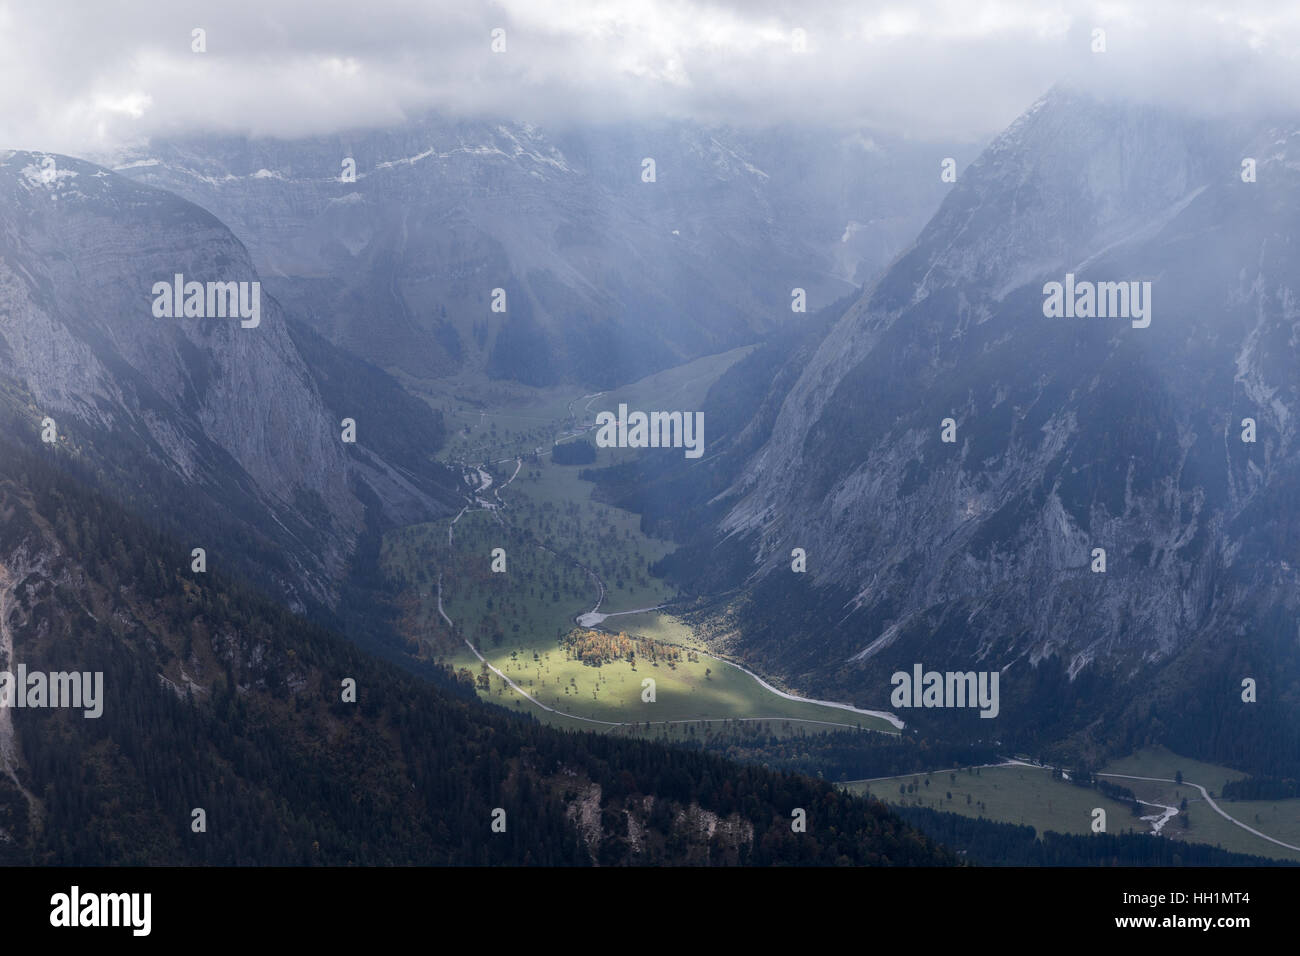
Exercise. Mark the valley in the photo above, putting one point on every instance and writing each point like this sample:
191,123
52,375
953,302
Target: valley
572,562
579,569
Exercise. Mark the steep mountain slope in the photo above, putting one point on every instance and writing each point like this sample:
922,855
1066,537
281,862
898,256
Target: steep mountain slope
1071,434
607,277
214,699
216,419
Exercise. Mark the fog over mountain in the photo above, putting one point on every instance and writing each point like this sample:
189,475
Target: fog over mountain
649,433
1067,434
607,278
99,76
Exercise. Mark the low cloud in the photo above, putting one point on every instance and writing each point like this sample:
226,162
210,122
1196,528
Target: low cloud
94,76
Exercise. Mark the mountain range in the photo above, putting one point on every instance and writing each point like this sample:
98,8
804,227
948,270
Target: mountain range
185,518
1103,511
611,271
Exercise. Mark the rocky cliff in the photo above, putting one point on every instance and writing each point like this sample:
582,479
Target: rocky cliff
216,405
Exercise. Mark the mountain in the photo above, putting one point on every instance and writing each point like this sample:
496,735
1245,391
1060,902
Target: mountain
607,277
216,723
1071,434
212,698
226,430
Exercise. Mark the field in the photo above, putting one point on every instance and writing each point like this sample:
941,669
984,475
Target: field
684,691
1029,796
1279,819
1032,797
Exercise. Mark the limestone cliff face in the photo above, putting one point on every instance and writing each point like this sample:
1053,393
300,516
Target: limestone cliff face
1071,434
229,411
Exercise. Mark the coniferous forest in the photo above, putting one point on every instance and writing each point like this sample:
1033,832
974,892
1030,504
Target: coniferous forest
218,700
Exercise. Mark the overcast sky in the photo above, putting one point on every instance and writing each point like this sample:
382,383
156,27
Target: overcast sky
82,76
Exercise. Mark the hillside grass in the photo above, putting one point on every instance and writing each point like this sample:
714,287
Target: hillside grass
1030,796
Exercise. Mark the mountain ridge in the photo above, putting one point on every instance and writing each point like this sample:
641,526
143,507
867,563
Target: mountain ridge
1070,435
607,277
198,402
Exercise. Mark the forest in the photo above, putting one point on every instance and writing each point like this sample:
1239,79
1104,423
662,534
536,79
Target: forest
988,842
216,698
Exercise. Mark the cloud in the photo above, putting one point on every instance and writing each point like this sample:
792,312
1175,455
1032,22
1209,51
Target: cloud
93,75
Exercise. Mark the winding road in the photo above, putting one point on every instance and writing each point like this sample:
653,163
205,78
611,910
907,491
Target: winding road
1157,821
595,617
1208,799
